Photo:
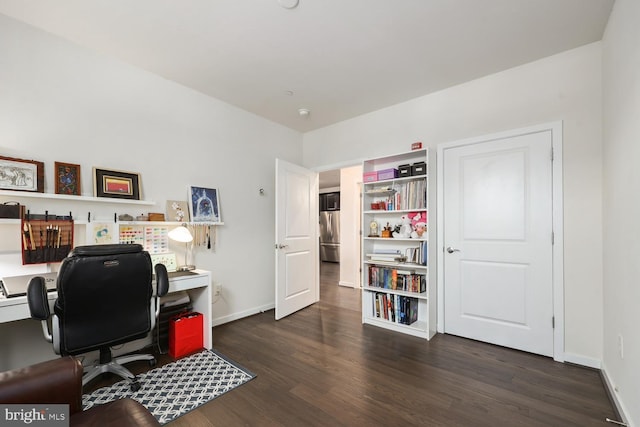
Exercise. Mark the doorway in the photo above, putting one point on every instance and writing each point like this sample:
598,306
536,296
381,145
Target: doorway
345,181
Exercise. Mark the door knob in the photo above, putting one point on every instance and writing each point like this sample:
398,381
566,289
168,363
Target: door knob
452,250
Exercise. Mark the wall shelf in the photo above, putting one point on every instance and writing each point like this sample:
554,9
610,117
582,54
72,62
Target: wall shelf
50,196
9,221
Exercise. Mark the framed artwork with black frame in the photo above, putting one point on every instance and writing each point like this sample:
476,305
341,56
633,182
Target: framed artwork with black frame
67,176
21,174
116,184
204,204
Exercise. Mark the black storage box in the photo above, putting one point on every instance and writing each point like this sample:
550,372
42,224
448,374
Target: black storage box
404,170
419,168
11,210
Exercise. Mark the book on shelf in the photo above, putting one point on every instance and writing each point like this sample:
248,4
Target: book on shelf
409,195
392,259
385,256
395,308
418,254
390,278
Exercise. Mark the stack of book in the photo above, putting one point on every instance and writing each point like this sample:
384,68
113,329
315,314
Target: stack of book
386,255
395,308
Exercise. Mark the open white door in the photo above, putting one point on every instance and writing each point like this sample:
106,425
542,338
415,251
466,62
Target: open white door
297,263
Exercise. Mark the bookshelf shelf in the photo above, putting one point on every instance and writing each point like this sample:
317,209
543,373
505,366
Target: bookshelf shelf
398,295
397,265
420,295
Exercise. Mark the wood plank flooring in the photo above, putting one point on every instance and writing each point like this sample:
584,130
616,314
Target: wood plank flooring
322,367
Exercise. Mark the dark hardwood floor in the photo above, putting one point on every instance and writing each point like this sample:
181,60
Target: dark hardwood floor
322,367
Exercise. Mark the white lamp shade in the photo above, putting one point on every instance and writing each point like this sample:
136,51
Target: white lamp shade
180,234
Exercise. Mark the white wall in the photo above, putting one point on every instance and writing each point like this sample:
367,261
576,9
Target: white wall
61,102
563,87
350,179
621,125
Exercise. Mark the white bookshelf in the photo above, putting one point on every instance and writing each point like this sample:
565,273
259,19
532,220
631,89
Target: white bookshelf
398,294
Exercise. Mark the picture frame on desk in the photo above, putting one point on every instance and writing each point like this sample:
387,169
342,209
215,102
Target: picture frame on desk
21,174
67,176
116,184
204,204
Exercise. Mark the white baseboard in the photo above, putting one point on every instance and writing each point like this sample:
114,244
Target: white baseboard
613,394
589,362
236,316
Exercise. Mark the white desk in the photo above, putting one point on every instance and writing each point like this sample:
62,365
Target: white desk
198,286
16,309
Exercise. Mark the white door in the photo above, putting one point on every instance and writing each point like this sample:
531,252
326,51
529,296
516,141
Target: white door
297,263
498,253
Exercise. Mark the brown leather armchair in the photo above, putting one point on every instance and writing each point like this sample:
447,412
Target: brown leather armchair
59,381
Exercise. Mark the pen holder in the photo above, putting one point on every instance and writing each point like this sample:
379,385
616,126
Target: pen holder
45,241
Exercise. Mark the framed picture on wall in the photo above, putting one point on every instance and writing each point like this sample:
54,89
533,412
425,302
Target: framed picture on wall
116,184
101,233
67,176
177,210
204,204
22,175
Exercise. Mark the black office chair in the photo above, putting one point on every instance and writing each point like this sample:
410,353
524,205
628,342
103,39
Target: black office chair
105,298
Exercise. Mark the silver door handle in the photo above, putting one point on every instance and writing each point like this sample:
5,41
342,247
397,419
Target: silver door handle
452,250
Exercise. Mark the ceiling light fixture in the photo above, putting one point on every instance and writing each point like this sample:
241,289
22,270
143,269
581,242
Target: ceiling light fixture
288,4
304,112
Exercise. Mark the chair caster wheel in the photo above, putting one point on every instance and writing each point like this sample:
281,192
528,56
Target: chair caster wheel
135,386
153,363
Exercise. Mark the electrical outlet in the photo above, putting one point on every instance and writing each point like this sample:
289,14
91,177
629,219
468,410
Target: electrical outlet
621,346
217,289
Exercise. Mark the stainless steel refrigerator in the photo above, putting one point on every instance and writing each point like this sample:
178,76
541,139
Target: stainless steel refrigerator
330,236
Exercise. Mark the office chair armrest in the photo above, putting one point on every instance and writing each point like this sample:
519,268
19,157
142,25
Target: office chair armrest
37,299
39,304
162,286
162,280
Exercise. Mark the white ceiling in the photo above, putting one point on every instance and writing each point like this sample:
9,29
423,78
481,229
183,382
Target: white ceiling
338,58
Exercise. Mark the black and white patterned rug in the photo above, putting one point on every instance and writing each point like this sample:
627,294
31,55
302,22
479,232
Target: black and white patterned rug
178,387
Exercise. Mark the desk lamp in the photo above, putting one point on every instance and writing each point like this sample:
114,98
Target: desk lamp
183,235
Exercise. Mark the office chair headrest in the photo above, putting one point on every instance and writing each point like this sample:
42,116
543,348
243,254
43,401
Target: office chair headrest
99,250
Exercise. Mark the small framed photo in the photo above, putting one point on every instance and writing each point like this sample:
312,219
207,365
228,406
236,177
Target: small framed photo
67,176
177,210
102,233
20,174
116,184
204,204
